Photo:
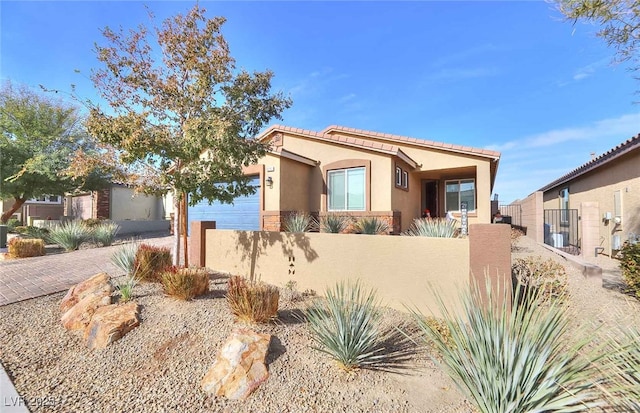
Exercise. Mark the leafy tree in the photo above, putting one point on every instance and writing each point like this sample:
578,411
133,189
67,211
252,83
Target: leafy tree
39,138
171,100
620,21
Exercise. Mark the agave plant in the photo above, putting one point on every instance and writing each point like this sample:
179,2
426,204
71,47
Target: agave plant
299,222
513,359
105,233
334,223
124,258
371,226
433,227
346,326
70,235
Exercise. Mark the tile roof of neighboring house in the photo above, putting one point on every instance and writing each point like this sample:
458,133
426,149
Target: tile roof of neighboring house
623,148
343,140
414,141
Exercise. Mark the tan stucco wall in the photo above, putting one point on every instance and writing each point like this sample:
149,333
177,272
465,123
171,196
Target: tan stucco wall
407,202
126,204
598,186
532,216
402,269
294,189
271,192
81,206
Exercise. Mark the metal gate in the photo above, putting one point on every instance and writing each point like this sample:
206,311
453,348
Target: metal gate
561,229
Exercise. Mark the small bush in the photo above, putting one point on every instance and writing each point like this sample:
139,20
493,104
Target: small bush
252,301
534,273
346,326
515,236
371,226
300,222
433,227
185,283
440,327
70,235
12,224
150,262
24,248
20,229
334,223
105,233
630,266
92,222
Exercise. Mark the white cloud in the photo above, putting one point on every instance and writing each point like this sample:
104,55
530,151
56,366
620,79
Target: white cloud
462,73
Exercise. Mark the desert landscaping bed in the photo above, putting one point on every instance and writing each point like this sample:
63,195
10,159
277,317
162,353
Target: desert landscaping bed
158,366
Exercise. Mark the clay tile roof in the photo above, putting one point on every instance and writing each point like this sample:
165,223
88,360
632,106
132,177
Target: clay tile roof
614,153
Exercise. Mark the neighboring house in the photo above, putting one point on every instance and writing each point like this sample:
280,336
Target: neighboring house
592,209
359,173
45,207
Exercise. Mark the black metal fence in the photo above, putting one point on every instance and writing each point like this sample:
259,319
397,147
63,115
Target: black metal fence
561,229
512,213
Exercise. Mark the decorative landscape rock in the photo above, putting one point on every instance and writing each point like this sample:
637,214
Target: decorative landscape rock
98,282
79,316
111,323
239,367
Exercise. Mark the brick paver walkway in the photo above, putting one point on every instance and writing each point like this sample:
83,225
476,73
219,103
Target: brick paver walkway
21,279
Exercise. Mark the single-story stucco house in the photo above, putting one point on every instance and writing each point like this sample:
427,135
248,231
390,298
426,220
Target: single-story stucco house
359,173
594,208
43,207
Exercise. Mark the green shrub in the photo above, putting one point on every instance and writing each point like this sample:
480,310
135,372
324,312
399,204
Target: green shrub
346,326
513,359
252,301
24,248
300,222
20,229
533,273
37,232
12,224
433,227
185,283
630,266
105,233
334,223
70,235
150,262
371,226
92,222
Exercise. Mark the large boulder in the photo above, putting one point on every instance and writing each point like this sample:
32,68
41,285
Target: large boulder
240,366
99,282
111,323
79,316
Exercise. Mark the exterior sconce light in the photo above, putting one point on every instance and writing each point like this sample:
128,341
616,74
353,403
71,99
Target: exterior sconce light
269,181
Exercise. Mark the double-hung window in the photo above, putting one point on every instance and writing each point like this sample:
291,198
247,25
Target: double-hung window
346,189
47,199
564,205
458,191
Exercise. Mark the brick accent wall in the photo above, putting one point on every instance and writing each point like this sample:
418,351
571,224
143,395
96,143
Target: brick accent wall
102,204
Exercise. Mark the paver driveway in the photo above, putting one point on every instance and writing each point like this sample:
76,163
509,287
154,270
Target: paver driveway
21,279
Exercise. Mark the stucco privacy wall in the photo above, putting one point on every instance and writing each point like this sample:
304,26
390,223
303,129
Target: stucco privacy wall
532,216
126,204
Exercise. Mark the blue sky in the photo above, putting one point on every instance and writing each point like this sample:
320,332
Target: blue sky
510,76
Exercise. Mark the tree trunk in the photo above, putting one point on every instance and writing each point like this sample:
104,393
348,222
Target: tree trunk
16,206
176,227
185,231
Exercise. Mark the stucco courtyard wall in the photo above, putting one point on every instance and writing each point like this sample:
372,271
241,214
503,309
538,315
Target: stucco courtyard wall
402,269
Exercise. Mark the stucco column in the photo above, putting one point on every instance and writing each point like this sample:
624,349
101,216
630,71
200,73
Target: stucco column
589,229
197,240
490,257
483,191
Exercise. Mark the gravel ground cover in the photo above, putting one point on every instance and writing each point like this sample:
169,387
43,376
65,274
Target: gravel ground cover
158,366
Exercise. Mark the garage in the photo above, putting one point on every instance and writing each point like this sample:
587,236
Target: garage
243,214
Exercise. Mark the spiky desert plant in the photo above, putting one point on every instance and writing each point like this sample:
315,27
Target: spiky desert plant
150,262
70,235
346,325
25,248
433,227
125,256
621,369
334,223
185,283
299,222
252,301
371,226
105,233
513,359
126,287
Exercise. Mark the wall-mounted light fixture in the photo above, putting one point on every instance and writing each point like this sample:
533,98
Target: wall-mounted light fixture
269,181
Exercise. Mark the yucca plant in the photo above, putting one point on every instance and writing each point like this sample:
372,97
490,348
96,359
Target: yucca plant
334,223
371,226
105,233
70,235
622,370
346,326
433,227
185,283
252,301
299,222
513,359
124,258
